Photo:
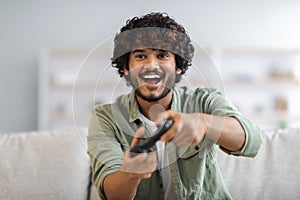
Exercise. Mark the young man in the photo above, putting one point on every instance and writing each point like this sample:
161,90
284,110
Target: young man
152,52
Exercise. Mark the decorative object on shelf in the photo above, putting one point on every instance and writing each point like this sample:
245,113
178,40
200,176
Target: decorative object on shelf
281,104
281,74
251,77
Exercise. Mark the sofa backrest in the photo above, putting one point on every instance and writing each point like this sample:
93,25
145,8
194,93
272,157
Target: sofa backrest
273,174
55,166
44,165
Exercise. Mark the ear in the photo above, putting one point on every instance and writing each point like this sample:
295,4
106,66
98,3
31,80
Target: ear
178,71
125,71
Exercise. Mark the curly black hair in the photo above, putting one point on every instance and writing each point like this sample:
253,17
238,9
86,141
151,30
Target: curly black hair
154,30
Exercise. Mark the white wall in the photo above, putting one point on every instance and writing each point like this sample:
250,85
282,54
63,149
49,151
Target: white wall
27,26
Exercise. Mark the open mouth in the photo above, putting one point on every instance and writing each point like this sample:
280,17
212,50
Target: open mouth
151,78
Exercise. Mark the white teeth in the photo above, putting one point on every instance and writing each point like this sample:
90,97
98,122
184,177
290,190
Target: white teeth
152,76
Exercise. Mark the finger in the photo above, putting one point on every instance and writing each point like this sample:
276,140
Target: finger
188,138
145,175
141,163
152,157
181,140
163,116
175,128
137,136
139,157
151,163
170,134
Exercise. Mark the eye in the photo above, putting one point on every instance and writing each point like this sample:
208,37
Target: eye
163,55
139,56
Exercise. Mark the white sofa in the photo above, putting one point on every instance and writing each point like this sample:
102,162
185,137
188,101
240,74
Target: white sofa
55,166
273,174
48,165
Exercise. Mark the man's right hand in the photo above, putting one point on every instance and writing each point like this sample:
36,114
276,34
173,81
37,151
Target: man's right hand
130,174
141,165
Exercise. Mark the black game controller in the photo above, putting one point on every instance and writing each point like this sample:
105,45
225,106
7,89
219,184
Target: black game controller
144,145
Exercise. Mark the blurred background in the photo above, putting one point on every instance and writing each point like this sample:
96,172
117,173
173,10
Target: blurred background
252,46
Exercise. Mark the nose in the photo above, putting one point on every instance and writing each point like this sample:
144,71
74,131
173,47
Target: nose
152,63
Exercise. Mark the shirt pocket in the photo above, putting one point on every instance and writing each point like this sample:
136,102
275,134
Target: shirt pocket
188,152
197,158
203,152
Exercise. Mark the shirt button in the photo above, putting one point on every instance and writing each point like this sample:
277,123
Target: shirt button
160,185
197,148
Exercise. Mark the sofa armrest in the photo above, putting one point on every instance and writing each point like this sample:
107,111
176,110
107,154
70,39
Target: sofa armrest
44,165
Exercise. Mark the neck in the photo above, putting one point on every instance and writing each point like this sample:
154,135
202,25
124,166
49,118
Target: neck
145,106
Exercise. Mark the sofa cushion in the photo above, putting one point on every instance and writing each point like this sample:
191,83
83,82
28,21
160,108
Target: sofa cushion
273,174
44,165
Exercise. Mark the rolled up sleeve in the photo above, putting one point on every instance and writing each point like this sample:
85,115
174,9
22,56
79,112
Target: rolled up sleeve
103,148
218,105
253,139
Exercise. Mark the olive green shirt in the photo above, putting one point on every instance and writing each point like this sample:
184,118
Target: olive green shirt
194,171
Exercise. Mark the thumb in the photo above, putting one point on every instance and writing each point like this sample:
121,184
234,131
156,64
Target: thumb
137,136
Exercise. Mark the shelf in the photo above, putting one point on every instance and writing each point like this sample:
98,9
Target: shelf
255,50
66,117
273,119
262,82
273,114
246,73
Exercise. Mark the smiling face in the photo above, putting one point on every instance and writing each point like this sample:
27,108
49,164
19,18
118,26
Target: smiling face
151,73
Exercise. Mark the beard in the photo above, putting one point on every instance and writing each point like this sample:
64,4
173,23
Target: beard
153,98
168,87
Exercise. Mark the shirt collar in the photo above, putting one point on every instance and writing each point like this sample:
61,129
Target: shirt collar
133,107
176,103
134,113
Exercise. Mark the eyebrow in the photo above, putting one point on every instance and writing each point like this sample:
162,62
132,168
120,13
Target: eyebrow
138,51
142,50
